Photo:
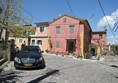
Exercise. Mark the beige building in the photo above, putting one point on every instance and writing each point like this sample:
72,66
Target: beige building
19,41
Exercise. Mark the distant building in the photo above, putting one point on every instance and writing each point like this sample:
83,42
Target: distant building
24,36
98,42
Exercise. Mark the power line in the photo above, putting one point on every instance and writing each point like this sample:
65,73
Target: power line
70,8
106,19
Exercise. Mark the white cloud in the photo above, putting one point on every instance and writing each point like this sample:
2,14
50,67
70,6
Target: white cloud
110,18
112,40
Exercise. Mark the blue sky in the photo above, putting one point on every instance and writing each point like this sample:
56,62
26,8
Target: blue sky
47,10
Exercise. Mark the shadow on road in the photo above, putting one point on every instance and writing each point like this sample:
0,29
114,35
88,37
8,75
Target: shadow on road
115,66
50,73
115,76
8,77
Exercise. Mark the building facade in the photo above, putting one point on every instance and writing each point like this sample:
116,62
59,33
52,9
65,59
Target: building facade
41,36
67,34
19,41
98,42
70,35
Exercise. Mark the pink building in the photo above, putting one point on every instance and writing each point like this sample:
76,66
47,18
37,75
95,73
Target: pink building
70,35
98,42
41,36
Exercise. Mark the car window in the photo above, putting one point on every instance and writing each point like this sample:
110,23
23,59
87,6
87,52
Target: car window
31,48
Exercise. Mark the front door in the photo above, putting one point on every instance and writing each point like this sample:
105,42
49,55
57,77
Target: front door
71,45
93,51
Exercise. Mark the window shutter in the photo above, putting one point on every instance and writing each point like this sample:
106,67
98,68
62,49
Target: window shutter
42,29
71,29
57,44
57,30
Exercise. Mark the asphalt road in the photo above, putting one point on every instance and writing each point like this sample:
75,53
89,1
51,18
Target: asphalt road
64,70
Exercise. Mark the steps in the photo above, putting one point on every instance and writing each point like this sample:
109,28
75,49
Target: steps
3,63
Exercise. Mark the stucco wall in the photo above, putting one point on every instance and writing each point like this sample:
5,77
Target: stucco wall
45,33
64,33
44,45
17,43
102,41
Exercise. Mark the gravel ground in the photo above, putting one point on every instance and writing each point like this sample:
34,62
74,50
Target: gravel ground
64,70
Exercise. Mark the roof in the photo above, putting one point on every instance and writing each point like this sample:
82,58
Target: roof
96,32
67,16
42,23
83,21
37,36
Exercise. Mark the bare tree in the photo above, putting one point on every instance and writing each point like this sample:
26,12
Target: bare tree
11,14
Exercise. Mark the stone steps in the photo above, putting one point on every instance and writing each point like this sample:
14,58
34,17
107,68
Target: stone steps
3,63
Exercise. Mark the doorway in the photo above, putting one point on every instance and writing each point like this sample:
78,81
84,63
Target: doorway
71,45
93,51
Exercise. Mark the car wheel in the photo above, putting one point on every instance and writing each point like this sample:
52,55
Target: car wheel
15,66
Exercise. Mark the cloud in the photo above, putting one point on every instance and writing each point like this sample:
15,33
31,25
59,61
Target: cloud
110,18
114,41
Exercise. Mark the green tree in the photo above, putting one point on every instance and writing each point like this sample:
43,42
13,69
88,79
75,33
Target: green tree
114,48
11,17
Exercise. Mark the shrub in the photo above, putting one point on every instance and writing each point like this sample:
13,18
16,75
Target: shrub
47,51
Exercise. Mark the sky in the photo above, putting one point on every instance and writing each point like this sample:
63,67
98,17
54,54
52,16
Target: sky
47,10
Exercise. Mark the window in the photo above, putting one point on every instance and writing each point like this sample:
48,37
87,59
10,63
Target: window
71,28
57,30
57,44
39,42
41,29
20,40
100,36
64,20
33,42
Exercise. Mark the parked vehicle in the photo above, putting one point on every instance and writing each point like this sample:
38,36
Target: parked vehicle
29,57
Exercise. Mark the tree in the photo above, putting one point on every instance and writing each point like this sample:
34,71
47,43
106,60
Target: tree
114,48
12,14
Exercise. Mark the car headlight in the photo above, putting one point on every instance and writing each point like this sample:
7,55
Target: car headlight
17,60
40,59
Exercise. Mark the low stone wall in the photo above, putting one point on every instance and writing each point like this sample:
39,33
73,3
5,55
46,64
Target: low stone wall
3,54
4,57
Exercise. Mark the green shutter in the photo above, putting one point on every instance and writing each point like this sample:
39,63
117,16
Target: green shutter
71,29
57,30
42,29
57,44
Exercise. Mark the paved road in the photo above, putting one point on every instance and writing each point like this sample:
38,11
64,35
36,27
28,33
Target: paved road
64,70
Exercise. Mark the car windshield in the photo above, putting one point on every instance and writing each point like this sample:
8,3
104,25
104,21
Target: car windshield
31,48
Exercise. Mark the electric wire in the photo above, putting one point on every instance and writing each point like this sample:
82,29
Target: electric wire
106,19
70,8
